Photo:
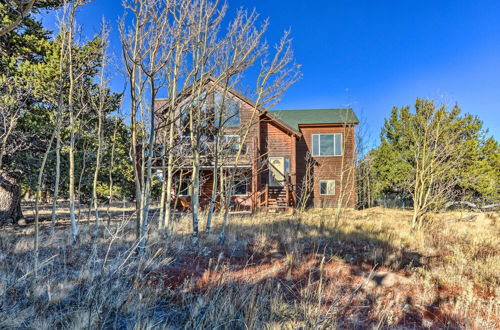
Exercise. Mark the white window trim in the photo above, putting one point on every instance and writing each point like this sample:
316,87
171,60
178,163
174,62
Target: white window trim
231,136
341,144
334,187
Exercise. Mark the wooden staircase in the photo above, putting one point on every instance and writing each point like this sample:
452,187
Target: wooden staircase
277,199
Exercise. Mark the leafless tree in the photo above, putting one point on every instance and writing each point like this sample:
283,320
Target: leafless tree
307,184
198,60
132,46
346,180
73,115
63,61
277,73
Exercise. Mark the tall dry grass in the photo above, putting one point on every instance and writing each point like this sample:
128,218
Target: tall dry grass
275,271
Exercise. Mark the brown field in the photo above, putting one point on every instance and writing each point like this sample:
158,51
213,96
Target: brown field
276,271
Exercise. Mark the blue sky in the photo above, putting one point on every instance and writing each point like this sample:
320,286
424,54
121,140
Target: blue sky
372,55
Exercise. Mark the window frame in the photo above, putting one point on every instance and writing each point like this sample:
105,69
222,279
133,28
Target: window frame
231,145
189,190
326,181
244,183
228,116
335,136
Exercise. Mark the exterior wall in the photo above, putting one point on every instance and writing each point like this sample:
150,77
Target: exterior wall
274,142
338,168
266,138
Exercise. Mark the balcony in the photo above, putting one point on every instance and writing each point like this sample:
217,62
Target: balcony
226,151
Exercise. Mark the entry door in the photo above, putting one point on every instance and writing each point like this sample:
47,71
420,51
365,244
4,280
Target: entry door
276,171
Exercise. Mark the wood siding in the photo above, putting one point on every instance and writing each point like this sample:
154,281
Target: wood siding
338,168
266,137
274,142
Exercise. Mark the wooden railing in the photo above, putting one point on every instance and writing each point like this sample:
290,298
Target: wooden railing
227,151
264,193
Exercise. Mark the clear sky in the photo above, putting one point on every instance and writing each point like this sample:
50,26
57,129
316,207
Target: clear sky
373,55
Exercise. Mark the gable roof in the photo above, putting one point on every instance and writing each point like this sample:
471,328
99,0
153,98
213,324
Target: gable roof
294,118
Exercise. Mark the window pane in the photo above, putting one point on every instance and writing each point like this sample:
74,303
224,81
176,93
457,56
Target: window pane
326,145
239,186
331,187
338,144
231,110
322,188
233,113
315,145
231,143
327,187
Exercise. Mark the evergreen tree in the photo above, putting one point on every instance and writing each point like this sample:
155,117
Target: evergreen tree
435,155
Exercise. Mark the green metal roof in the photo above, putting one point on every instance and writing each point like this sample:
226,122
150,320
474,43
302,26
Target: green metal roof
294,118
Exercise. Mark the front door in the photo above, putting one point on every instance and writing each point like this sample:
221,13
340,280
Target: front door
276,171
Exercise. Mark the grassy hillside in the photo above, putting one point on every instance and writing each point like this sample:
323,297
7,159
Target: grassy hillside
275,271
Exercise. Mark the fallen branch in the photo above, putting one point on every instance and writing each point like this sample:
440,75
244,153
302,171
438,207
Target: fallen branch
470,217
491,206
472,205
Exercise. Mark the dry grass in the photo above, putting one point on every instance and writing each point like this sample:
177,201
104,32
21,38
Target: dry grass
275,271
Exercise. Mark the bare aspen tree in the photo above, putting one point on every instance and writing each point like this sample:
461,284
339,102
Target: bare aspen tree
146,53
157,57
72,118
179,38
39,186
347,172
205,19
132,45
242,47
199,61
278,72
364,166
111,167
63,32
306,184
99,107
56,135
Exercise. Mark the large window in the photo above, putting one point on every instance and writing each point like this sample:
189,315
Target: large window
327,187
327,144
229,108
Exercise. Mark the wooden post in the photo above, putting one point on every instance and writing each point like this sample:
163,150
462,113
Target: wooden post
266,197
255,176
287,194
293,161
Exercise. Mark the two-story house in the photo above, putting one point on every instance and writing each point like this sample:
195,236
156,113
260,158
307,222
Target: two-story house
287,155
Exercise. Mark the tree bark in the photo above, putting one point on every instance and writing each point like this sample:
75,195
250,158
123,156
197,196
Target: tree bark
10,199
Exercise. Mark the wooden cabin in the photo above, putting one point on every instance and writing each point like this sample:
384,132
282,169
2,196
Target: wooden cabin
289,157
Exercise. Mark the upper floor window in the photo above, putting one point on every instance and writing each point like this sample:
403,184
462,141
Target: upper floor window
229,109
327,144
232,144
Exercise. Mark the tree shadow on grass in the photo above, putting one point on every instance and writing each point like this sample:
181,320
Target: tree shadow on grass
294,264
